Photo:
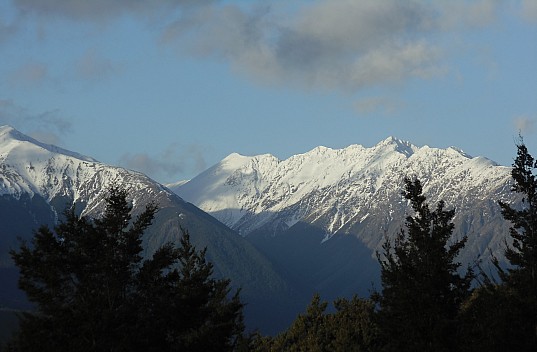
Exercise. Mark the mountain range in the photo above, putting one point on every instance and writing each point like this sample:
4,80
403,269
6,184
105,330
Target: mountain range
332,209
279,229
38,182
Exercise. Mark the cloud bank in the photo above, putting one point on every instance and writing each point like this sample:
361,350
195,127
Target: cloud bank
329,44
344,45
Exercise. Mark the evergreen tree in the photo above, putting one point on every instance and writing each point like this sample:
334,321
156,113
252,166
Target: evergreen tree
94,292
503,316
308,332
521,277
351,327
185,308
490,321
523,254
421,287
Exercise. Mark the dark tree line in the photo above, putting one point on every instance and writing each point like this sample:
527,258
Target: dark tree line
350,328
94,292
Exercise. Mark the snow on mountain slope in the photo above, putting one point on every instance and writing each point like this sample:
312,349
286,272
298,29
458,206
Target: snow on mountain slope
38,182
33,168
352,190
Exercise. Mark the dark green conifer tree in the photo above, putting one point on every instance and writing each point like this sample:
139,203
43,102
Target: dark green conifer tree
308,332
352,327
522,275
520,278
422,289
502,316
94,292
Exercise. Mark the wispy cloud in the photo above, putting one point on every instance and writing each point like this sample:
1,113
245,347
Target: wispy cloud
336,44
48,127
467,14
525,125
170,163
529,10
383,105
345,45
99,10
7,30
29,74
92,66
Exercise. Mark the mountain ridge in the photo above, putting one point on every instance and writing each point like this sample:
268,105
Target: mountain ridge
342,190
354,159
321,216
310,223
39,181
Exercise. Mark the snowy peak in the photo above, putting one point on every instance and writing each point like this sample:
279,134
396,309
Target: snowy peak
461,152
29,167
328,159
397,145
338,189
11,139
8,132
234,161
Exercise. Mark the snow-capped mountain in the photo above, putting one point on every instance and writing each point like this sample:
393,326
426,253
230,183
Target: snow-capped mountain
38,182
311,223
355,191
31,168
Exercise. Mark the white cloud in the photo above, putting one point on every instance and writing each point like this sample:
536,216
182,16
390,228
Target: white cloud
325,44
330,44
393,63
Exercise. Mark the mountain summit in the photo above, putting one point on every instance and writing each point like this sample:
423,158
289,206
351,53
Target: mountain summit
10,138
331,196
336,188
39,181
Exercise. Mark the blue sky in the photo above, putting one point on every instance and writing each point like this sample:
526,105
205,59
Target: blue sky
170,87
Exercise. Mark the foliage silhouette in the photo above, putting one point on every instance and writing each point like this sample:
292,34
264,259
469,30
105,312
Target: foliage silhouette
94,291
422,289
